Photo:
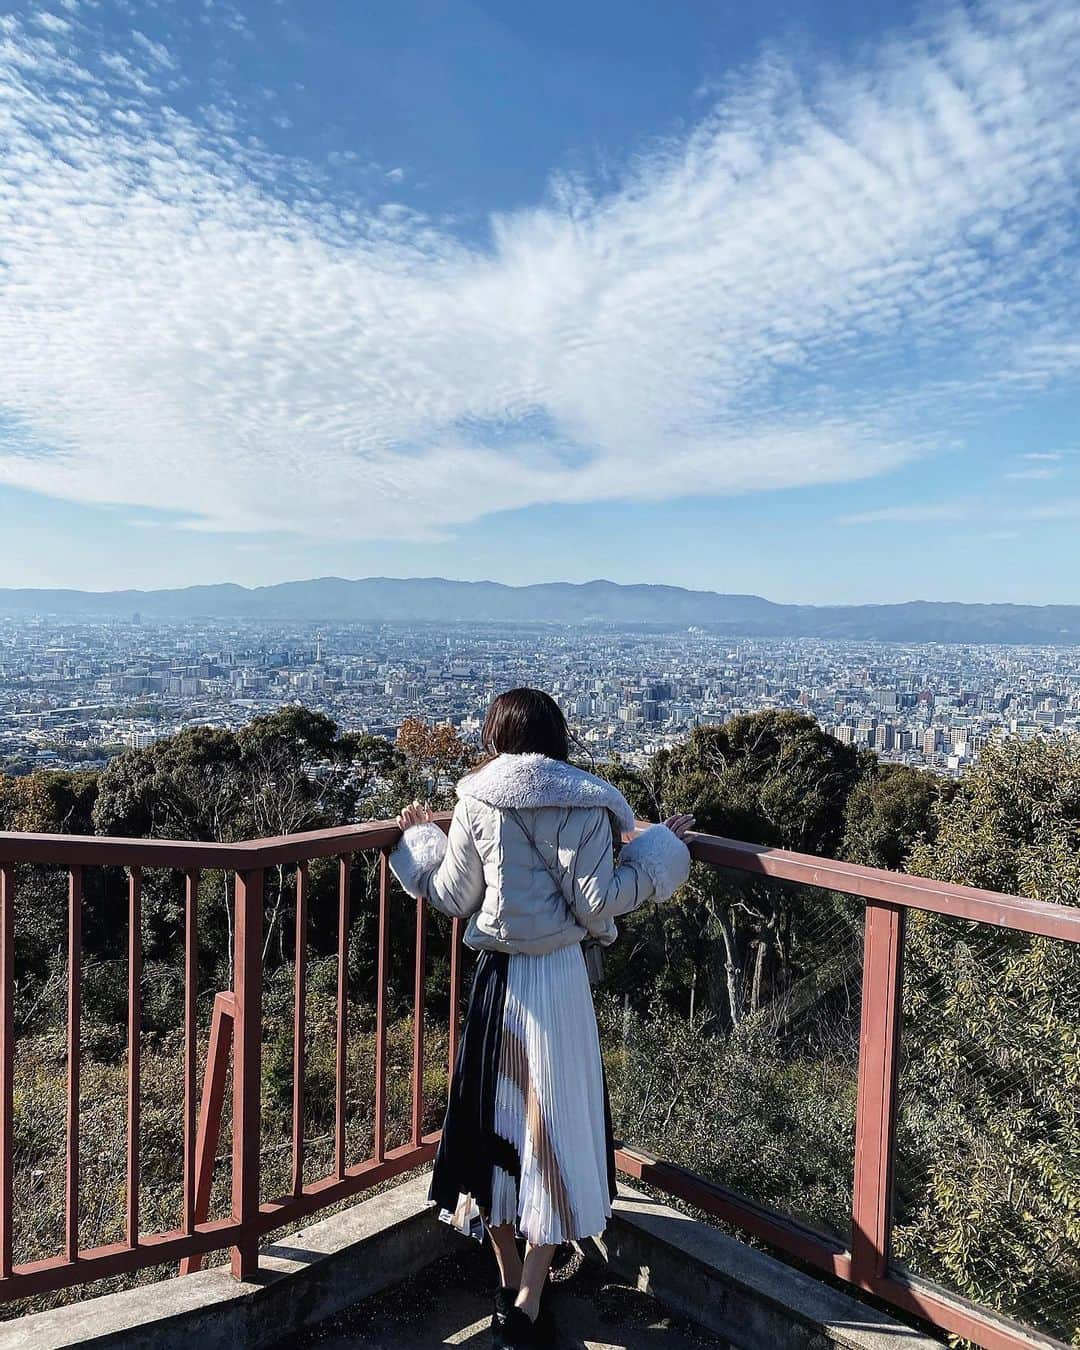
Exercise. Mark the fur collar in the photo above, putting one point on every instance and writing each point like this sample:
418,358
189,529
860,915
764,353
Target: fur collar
518,781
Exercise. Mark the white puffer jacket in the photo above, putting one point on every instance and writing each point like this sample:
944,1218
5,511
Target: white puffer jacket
488,871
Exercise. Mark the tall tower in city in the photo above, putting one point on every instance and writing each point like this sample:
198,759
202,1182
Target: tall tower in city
318,649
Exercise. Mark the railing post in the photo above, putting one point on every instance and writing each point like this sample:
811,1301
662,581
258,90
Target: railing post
419,1001
7,1059
209,1128
191,1044
341,1057
875,1116
299,1026
74,1060
134,1050
247,1070
382,975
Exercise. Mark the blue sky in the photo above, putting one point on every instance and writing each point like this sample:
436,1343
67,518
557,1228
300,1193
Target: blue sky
777,298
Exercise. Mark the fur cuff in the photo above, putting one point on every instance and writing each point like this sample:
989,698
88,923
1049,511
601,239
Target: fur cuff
663,857
421,850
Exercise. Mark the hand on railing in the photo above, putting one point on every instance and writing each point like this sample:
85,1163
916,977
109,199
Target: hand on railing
416,813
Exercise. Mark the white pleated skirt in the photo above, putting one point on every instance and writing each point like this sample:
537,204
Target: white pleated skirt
527,1138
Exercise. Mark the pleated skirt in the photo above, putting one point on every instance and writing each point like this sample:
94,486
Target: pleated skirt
527,1137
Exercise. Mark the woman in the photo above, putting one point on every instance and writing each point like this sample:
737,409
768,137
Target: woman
526,1146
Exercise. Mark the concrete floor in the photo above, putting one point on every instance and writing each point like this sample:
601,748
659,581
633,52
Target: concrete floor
449,1304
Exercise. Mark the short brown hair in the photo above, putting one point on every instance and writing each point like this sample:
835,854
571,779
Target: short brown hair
524,721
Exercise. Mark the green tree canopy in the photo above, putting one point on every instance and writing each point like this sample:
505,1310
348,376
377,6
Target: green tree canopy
989,1147
1012,824
49,802
773,778
890,810
770,778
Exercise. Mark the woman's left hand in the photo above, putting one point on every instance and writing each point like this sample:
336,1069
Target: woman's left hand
416,813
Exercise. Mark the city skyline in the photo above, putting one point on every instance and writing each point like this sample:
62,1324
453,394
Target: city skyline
782,303
77,692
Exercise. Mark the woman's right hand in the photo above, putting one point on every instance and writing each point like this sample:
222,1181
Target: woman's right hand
416,813
680,825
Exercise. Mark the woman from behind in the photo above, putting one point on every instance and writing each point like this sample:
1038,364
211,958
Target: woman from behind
526,1149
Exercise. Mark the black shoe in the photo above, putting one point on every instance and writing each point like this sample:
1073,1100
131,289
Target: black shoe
504,1303
519,1331
522,1333
544,1334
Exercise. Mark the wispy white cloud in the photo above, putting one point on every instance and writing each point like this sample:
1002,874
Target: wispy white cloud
1068,508
970,511
756,305
928,513
53,23
157,53
1040,465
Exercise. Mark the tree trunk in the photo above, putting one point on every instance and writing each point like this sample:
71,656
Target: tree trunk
276,914
763,987
726,975
761,956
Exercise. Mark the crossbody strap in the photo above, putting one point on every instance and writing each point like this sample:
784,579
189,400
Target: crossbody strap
555,874
591,949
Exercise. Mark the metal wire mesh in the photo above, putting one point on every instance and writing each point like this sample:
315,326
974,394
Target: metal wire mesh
752,1085
987,1168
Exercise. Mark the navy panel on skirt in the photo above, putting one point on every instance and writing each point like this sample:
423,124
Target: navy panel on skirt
527,1136
469,1146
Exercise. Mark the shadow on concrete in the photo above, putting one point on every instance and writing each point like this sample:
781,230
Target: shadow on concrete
302,1255
450,1304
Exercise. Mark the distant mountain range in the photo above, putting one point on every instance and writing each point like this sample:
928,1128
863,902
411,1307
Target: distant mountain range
437,600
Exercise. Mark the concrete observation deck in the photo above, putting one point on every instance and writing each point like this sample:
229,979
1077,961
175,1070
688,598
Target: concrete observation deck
449,1304
385,1273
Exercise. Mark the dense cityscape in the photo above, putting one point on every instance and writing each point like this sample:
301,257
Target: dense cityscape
75,693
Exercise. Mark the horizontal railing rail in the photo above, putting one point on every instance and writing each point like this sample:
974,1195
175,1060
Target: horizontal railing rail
1042,917
74,850
869,883
237,1033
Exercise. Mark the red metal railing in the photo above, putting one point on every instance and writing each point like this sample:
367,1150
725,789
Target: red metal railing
237,1030
867,1263
236,1033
